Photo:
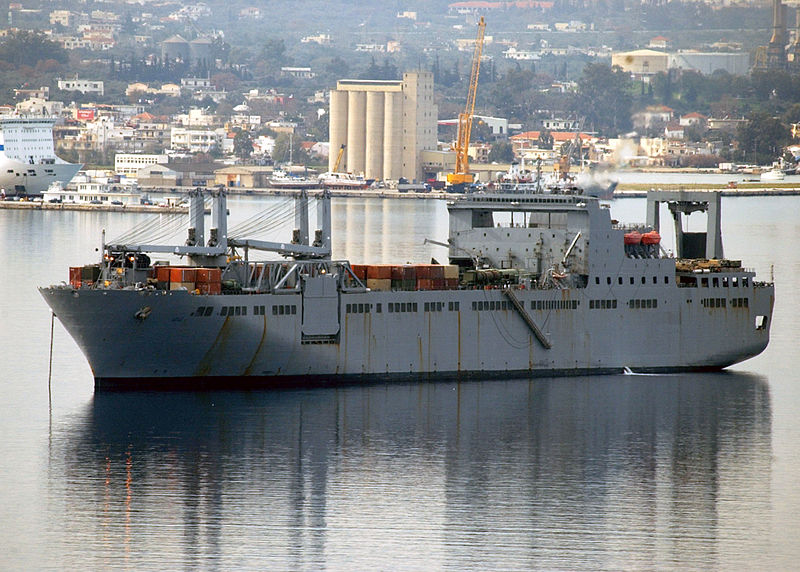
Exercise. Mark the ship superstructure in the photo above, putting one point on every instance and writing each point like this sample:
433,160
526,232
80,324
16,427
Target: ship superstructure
538,283
28,161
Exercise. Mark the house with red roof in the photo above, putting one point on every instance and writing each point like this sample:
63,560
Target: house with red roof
693,118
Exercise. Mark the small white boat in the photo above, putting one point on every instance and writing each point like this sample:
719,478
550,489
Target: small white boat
774,174
343,181
283,180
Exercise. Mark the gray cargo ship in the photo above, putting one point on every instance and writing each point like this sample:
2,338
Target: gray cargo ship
539,283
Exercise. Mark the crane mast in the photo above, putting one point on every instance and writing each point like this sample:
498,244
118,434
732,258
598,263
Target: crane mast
339,158
462,176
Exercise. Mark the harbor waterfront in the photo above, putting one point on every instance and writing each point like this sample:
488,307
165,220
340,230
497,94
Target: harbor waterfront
612,472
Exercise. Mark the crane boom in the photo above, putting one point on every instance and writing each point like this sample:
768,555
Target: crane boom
339,158
462,174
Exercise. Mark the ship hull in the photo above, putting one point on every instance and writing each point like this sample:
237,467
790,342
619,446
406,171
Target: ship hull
166,340
18,178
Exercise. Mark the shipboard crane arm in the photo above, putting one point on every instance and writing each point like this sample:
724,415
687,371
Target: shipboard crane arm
570,249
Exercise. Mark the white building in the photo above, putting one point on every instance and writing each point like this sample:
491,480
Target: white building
321,39
195,140
735,63
39,106
196,117
513,53
299,72
62,17
82,85
195,82
128,164
556,124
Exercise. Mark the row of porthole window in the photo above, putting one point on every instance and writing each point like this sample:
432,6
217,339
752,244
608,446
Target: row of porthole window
602,304
643,304
491,305
555,304
725,281
440,306
631,280
277,310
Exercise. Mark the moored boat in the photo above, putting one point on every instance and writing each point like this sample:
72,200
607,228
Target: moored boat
343,181
28,162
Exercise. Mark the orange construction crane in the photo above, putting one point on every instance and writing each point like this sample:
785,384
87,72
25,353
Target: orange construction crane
462,176
339,158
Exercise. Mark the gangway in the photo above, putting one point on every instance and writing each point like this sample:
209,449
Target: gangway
520,307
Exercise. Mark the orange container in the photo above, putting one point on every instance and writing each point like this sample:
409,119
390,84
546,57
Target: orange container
360,270
162,273
424,284
451,283
182,274
208,275
379,271
75,276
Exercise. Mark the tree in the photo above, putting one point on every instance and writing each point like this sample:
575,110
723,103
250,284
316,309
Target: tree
604,98
29,48
514,94
337,67
280,154
501,152
769,84
762,138
273,55
242,144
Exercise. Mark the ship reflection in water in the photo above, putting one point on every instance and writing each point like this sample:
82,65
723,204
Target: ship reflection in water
613,472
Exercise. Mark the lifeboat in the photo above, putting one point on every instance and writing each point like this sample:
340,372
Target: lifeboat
651,237
632,238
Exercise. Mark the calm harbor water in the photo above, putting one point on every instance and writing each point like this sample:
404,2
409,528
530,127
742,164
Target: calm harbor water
695,471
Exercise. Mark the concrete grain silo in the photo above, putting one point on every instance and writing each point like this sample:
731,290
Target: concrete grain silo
356,131
393,136
373,153
384,124
338,128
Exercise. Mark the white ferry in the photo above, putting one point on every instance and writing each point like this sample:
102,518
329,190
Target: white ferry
28,162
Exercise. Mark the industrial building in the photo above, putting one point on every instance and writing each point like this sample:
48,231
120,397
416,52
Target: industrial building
643,64
384,126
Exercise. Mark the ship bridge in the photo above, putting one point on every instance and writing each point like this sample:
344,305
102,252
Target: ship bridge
525,231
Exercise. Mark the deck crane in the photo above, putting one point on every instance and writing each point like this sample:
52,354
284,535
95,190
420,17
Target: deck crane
461,176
